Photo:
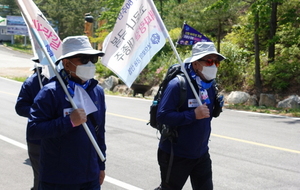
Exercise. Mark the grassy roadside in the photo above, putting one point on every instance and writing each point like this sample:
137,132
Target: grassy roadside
20,47
259,109
268,110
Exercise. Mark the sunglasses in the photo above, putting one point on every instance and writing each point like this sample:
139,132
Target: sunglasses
210,62
84,59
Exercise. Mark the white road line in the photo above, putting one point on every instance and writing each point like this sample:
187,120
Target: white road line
107,178
13,142
120,183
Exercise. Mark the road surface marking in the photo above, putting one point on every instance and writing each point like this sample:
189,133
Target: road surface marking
107,178
220,136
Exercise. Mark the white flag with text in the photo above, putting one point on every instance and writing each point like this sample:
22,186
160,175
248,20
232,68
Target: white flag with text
137,36
35,20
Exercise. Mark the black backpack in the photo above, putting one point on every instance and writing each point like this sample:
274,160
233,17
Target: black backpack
173,71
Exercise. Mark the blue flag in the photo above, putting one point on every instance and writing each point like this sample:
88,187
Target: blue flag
190,36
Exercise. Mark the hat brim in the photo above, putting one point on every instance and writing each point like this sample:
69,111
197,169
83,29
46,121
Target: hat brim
36,65
195,58
89,52
35,59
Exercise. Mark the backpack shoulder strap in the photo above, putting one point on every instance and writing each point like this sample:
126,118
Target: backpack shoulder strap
215,86
182,95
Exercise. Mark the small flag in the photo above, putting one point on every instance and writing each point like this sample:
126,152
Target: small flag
35,20
190,36
137,36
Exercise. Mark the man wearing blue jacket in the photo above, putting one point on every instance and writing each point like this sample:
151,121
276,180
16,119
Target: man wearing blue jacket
187,155
29,90
68,159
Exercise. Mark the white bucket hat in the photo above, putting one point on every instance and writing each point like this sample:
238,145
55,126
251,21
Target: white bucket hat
74,45
201,49
35,59
34,66
36,63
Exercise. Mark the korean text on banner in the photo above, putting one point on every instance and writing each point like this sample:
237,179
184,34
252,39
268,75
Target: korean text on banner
137,36
40,24
190,36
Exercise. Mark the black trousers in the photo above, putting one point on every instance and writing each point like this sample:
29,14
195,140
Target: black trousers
92,185
34,156
199,170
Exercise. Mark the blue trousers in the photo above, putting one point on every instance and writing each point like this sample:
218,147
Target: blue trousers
199,170
93,185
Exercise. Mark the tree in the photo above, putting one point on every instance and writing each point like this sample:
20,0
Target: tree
223,8
213,18
273,28
107,19
251,34
68,16
8,7
258,85
109,12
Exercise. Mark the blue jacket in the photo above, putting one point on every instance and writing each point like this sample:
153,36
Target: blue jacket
29,90
193,134
67,154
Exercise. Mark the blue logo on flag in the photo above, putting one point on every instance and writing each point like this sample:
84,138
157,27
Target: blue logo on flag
155,38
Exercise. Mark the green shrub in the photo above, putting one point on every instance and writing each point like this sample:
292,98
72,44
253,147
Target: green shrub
103,71
235,68
284,73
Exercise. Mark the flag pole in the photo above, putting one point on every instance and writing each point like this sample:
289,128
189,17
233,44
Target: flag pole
36,36
39,75
34,55
175,51
181,33
176,42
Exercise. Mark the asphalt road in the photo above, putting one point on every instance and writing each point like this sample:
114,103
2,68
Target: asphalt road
249,151
14,64
9,58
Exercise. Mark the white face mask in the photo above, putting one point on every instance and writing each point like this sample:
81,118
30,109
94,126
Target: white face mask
210,72
47,72
85,72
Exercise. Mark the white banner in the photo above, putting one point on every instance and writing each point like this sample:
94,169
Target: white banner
40,24
137,36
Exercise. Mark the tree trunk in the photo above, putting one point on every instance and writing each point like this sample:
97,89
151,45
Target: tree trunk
258,85
273,26
219,36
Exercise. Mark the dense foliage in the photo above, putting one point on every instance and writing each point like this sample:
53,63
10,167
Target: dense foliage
260,38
